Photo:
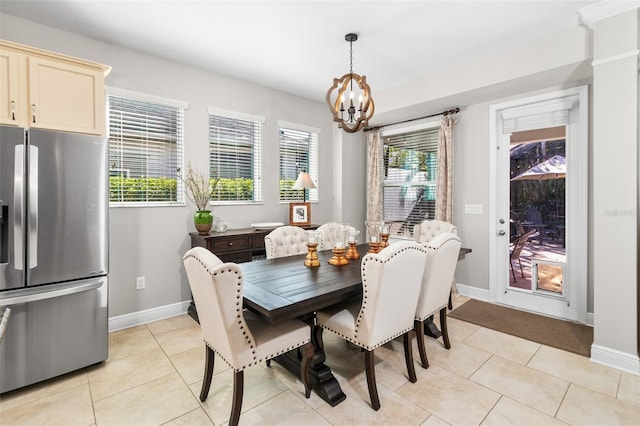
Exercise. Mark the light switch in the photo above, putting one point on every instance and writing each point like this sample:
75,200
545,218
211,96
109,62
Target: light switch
473,208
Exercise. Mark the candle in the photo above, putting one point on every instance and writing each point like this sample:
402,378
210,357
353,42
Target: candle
352,240
340,245
374,239
312,239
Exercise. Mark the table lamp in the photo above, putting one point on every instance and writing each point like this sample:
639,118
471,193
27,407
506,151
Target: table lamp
300,213
304,182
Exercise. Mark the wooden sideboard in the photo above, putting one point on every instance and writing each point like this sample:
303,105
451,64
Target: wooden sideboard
233,245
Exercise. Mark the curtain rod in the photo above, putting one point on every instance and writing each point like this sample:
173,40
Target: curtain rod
447,112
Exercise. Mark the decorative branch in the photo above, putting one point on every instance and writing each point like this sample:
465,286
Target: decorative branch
200,187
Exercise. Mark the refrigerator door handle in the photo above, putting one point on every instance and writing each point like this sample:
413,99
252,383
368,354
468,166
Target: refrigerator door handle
18,197
33,206
36,294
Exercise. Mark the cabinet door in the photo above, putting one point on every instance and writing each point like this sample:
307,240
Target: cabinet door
10,107
66,97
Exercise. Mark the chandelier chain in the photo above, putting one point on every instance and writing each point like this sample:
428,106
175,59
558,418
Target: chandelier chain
351,57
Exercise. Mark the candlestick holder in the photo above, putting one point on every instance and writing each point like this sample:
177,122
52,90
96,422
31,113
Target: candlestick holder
375,247
338,258
312,255
385,241
352,252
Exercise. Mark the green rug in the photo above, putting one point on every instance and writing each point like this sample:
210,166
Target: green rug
566,335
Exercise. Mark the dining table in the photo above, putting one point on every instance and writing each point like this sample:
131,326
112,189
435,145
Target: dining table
284,288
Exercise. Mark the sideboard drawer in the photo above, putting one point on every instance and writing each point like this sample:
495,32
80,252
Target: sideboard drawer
224,245
258,241
239,257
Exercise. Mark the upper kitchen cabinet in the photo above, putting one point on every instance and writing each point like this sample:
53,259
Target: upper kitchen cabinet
46,90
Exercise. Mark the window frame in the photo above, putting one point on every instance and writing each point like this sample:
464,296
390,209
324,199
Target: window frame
183,106
257,157
434,126
313,153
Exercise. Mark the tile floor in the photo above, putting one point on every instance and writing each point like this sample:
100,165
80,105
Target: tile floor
153,377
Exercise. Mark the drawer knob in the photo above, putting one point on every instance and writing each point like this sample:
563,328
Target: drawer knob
230,243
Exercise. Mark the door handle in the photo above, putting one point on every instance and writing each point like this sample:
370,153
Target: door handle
18,199
501,232
32,218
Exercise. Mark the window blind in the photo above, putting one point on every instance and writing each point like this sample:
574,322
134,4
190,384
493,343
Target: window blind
145,150
409,185
235,156
298,152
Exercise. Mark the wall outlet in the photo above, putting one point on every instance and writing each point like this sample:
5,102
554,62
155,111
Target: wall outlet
473,209
140,283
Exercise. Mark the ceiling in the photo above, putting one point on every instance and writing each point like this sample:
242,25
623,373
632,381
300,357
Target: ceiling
298,46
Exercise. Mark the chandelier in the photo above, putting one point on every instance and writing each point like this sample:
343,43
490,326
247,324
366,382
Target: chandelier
356,118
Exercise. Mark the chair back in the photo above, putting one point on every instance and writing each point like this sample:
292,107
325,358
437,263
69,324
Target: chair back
425,231
391,282
217,290
439,269
285,241
518,245
330,233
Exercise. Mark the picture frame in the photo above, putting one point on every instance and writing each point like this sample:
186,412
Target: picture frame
299,214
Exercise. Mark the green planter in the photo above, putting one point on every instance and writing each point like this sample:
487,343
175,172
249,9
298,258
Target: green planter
203,220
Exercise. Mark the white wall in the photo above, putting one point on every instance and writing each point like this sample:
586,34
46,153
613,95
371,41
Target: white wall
150,241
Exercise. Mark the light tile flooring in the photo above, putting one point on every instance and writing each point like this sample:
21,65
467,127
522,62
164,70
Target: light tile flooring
154,373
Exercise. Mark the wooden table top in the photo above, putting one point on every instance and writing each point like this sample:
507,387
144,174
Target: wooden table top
284,288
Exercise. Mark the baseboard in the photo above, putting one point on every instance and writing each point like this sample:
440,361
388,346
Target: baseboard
148,315
473,292
615,359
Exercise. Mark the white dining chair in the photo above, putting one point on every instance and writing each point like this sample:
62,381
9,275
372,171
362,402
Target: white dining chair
240,337
427,230
285,241
391,281
330,233
439,269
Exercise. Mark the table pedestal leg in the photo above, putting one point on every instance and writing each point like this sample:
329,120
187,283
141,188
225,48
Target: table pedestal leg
430,329
322,379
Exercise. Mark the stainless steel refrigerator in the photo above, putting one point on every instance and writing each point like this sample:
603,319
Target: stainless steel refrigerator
53,253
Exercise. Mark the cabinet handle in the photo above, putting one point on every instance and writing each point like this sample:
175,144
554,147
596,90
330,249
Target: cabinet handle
13,110
230,243
33,112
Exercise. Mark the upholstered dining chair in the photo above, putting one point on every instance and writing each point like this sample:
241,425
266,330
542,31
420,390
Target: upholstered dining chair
425,231
285,241
391,281
442,257
330,233
240,337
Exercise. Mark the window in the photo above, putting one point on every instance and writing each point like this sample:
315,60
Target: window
235,155
409,186
145,148
298,153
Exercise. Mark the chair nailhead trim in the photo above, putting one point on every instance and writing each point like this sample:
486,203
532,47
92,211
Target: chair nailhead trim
431,313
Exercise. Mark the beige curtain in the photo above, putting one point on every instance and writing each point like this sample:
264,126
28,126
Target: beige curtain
444,191
374,176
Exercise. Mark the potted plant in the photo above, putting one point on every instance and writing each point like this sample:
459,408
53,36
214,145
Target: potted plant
200,189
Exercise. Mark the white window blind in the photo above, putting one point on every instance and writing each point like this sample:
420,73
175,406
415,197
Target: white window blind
409,185
145,150
298,153
235,156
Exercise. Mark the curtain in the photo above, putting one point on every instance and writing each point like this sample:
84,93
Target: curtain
444,190
375,173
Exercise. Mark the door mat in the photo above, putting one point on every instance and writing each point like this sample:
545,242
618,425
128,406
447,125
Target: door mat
565,335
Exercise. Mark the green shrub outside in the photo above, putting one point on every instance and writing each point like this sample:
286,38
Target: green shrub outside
123,189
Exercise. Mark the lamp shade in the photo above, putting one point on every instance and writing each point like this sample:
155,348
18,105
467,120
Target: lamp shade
304,181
